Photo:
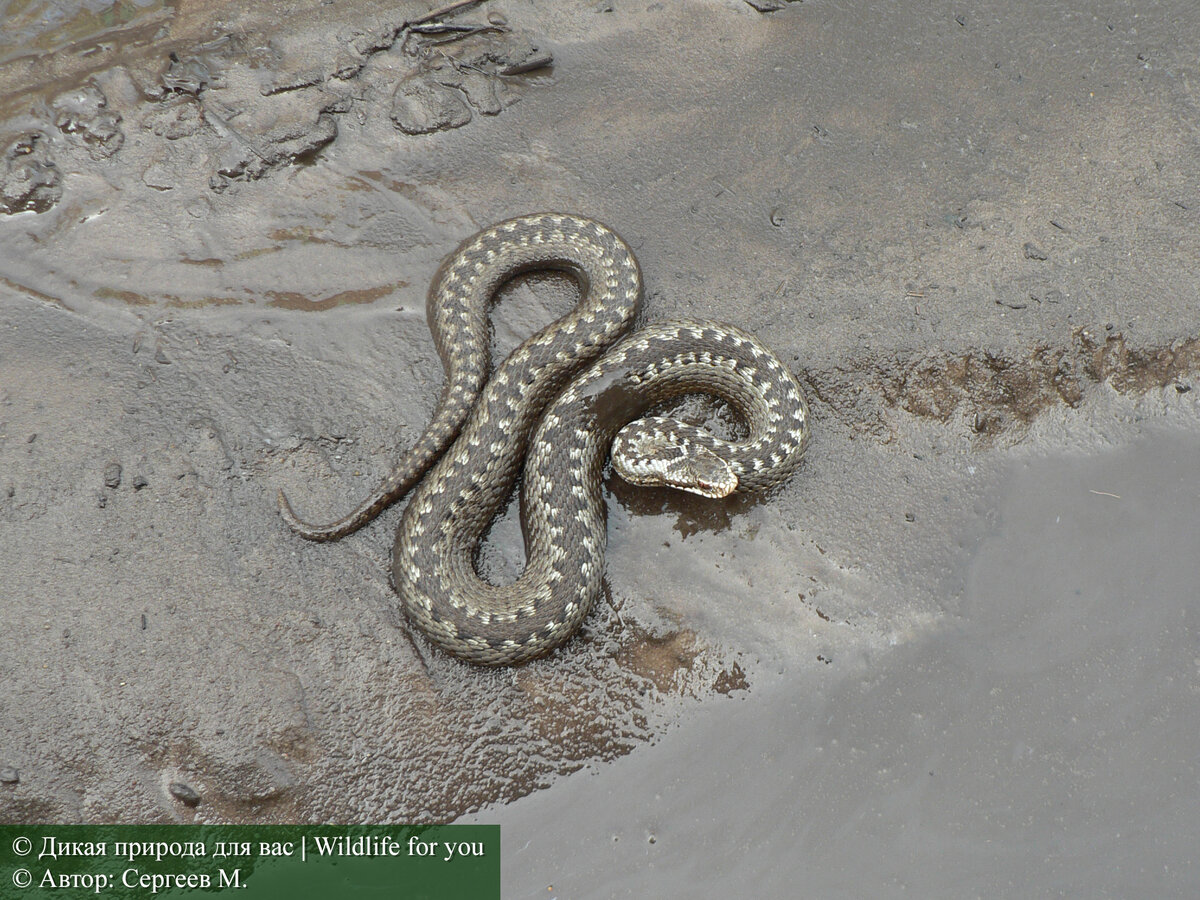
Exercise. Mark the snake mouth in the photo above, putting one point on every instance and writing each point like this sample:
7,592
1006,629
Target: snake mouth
714,490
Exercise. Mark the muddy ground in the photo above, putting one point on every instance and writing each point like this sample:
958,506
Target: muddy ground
973,236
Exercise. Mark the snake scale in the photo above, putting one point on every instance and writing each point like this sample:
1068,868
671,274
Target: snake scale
559,402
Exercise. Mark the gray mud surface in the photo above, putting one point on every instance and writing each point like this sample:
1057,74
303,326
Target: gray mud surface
973,234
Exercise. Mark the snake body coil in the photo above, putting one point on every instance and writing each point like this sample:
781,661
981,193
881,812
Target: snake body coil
577,414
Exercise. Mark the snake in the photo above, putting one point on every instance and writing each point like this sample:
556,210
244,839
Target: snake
584,385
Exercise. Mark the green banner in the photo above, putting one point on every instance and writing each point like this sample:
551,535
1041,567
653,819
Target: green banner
251,862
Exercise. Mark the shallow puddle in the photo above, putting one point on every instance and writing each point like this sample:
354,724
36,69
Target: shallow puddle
1041,743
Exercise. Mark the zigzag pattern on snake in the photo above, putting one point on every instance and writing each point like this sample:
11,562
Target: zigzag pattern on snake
579,383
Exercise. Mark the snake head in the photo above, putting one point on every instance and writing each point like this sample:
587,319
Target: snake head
658,452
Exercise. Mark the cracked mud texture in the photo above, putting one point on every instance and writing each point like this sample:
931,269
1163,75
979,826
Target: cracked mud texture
971,235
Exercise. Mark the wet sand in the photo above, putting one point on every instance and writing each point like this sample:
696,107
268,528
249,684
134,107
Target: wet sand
973,238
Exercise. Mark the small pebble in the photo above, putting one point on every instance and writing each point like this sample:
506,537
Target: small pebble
495,17
101,499
777,217
184,793
112,475
139,482
1032,251
9,775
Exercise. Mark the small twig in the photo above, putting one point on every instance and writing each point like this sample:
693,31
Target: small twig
458,65
1105,494
438,13
450,27
225,130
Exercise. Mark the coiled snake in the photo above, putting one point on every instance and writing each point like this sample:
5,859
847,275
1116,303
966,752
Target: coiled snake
582,385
